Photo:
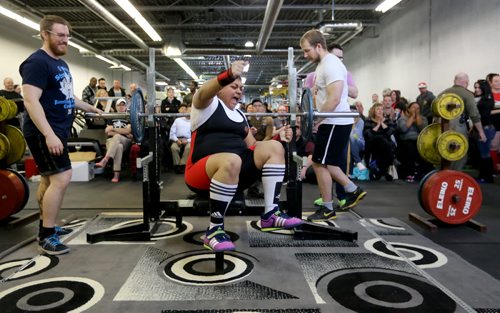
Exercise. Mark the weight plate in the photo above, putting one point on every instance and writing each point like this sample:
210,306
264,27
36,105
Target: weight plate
452,145
307,121
12,109
452,197
426,143
26,190
4,146
4,109
420,190
17,144
10,194
136,121
448,106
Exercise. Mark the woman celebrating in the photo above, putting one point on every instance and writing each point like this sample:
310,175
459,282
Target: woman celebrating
378,143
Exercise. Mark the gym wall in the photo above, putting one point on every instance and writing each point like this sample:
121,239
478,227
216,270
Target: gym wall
19,41
428,40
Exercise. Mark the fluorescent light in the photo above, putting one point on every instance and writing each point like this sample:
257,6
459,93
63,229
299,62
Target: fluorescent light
159,83
185,67
34,25
386,5
100,57
19,18
172,51
246,68
249,44
139,19
128,69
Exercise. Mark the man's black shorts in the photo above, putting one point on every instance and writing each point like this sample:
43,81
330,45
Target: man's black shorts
47,163
329,147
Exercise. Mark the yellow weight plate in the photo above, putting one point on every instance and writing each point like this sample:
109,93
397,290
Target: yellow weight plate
452,145
4,146
12,109
426,143
448,106
17,144
4,109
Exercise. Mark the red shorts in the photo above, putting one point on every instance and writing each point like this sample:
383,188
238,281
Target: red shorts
198,181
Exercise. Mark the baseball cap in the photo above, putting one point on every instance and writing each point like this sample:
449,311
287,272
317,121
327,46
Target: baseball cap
121,100
422,85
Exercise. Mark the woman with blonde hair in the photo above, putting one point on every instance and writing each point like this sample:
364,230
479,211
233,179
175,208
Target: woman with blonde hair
379,148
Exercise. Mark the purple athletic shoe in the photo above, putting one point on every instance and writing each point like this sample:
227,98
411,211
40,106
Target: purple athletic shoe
217,240
278,220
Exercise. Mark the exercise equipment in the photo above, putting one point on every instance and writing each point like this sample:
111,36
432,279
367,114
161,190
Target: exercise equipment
448,106
12,194
452,197
426,143
153,207
4,146
307,121
136,120
8,109
16,144
452,145
138,125
26,187
434,146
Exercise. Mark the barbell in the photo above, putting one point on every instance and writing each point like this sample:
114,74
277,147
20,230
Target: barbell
137,115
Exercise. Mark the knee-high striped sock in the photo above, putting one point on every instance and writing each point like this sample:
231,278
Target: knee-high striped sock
272,180
220,196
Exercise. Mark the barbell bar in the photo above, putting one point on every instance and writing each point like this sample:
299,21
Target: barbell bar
137,115
316,114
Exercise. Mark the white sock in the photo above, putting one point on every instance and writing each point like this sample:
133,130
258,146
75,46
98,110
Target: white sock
272,180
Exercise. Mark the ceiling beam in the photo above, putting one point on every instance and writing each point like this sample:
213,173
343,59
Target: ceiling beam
181,8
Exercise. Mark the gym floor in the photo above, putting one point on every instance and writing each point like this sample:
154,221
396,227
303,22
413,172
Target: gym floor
385,200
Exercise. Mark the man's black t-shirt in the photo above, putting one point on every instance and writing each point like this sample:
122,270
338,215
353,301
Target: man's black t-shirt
57,99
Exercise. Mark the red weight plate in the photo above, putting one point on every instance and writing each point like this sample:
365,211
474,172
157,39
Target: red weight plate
421,190
452,197
26,190
11,193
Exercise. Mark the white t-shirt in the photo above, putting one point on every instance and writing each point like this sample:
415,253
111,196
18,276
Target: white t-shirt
329,70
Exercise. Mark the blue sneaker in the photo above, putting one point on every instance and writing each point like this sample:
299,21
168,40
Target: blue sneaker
52,245
63,231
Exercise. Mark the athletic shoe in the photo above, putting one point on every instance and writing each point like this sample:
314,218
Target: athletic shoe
60,231
318,202
322,214
52,245
217,240
278,220
352,198
63,231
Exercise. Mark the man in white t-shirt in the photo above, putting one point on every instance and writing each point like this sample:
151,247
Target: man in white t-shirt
333,133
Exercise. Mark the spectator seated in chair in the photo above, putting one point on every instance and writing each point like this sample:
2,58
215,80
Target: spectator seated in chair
180,136
119,139
379,148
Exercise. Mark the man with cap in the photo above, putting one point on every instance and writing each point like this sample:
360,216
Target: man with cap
119,139
425,101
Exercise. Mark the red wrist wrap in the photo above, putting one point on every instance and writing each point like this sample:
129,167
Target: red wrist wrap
225,78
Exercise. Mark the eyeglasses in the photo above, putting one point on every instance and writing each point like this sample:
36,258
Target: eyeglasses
59,35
